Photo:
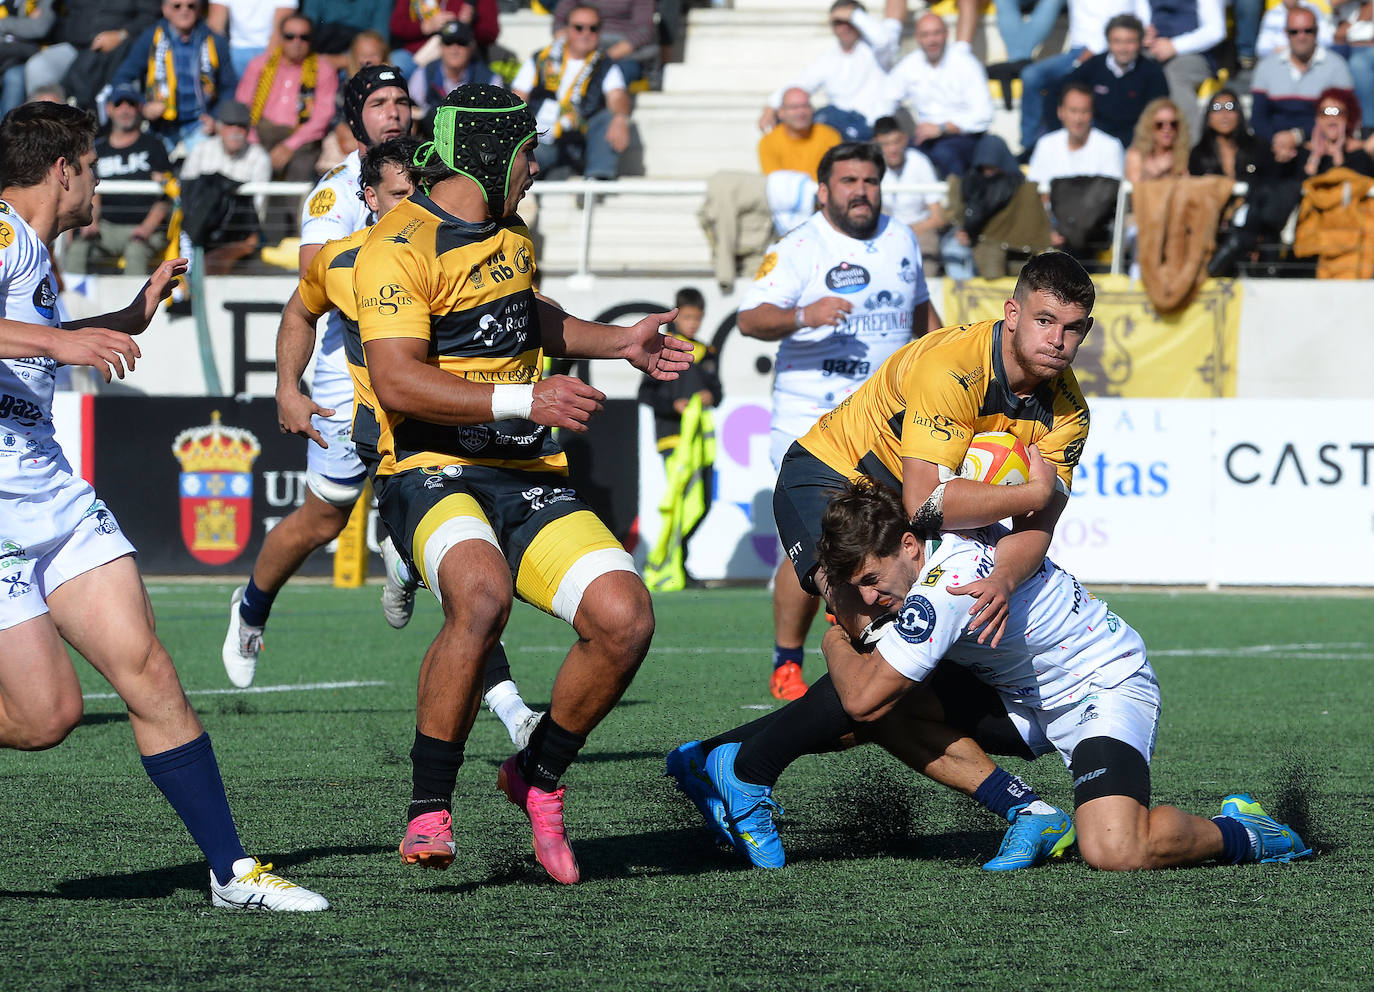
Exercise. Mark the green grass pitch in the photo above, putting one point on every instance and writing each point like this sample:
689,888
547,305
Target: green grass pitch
100,887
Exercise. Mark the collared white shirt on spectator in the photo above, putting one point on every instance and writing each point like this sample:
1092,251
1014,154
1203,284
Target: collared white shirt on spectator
857,79
910,208
953,90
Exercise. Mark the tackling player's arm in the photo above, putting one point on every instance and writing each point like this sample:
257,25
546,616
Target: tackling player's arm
868,686
295,344
643,344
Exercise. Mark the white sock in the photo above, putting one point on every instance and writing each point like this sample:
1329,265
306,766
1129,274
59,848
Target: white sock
504,700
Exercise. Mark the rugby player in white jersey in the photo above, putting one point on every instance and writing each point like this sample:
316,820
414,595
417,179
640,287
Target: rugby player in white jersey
377,107
1070,675
68,571
841,292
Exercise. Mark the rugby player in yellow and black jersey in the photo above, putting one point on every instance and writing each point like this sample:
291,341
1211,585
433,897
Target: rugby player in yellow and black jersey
909,427
470,478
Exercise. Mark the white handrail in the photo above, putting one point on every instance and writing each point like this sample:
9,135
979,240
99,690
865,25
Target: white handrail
592,190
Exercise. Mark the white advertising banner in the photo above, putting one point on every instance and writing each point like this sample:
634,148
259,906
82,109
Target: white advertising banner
1223,492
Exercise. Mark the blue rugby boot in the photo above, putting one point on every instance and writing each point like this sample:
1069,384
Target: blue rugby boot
1275,841
748,808
1033,839
687,768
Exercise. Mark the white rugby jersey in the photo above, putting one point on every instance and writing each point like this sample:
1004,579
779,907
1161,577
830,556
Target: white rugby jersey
36,480
334,210
1060,642
884,278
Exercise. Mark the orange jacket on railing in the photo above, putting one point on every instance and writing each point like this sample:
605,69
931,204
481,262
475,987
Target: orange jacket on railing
1336,223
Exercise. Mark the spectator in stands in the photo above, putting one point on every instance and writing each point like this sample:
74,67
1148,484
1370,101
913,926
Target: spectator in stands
458,63
26,24
798,142
228,153
1088,20
1161,145
995,215
1022,31
290,92
1273,35
1077,149
946,90
132,226
338,22
1286,86
185,73
1090,161
853,72
1121,82
416,22
628,35
580,101
1228,148
1336,141
250,26
1181,37
90,41
1355,31
922,212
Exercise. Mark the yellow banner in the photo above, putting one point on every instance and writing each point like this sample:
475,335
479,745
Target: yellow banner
1132,350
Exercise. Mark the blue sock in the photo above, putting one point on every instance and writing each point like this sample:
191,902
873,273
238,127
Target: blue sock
1235,840
1005,794
256,605
189,777
782,656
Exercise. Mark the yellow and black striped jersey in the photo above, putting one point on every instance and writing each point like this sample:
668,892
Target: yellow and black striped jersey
328,285
467,290
930,398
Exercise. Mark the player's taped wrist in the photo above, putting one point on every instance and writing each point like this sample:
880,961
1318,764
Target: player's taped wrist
930,516
512,402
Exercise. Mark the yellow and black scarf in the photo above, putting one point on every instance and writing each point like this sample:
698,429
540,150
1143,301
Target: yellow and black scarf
305,99
549,68
161,79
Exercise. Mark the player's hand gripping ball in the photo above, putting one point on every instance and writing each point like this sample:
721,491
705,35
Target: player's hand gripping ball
997,458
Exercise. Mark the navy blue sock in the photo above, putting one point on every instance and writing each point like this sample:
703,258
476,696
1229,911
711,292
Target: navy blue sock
782,656
256,605
189,777
1235,840
1005,794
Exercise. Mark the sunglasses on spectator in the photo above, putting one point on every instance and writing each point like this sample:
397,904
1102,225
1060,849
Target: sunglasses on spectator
1228,105
841,24
589,28
1166,125
184,6
1302,30
295,37
1333,111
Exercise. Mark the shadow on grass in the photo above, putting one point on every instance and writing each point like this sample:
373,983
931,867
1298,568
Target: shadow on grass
159,883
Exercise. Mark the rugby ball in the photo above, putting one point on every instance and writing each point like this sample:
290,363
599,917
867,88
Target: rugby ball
997,458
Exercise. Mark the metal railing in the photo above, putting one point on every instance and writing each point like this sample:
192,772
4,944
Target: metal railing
590,193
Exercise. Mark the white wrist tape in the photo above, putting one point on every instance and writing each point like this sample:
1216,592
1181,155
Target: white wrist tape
512,402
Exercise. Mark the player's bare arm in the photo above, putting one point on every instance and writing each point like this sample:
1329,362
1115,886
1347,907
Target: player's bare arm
924,319
108,352
769,322
868,686
135,318
407,384
642,344
295,344
964,504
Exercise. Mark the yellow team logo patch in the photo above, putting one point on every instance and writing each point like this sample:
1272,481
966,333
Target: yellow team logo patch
766,266
321,203
6,235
